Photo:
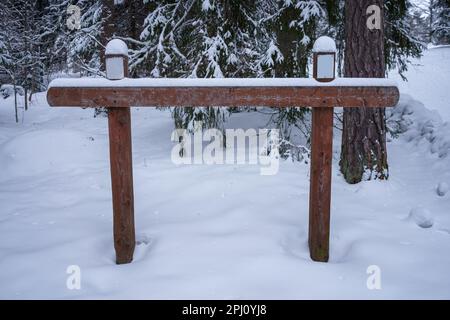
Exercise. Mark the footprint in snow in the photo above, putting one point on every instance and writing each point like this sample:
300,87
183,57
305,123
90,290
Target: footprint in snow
143,245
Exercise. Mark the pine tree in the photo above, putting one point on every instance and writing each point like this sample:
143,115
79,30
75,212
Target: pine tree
71,50
222,43
440,21
22,59
363,154
399,43
206,39
53,36
9,46
32,60
419,25
193,38
85,47
290,28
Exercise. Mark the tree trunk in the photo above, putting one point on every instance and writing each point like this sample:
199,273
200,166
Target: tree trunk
431,6
25,98
15,101
363,154
108,27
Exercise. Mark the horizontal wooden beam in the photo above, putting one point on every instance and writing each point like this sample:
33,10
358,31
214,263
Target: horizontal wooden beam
317,96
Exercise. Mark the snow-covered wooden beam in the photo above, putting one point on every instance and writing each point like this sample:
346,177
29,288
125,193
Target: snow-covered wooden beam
95,92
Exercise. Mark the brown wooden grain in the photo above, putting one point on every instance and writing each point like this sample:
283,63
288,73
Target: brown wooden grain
321,96
119,124
320,184
320,176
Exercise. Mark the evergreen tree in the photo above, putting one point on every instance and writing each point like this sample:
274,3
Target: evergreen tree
363,153
54,35
192,38
419,25
85,47
22,59
440,21
399,43
291,29
9,47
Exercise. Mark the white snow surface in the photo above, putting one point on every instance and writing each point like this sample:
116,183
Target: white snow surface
428,80
215,232
442,189
324,44
116,46
421,217
221,82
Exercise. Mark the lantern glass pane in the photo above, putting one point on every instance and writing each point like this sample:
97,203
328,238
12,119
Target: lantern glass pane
325,66
114,68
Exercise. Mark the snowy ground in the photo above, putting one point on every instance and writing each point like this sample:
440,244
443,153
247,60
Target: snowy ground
428,80
219,232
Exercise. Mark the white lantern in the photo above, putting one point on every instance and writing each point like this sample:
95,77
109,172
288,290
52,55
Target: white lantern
324,63
116,59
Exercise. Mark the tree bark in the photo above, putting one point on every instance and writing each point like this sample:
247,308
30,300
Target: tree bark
108,27
431,8
15,101
363,154
25,98
108,30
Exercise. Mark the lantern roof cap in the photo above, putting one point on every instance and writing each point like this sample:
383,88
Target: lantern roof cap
116,46
324,44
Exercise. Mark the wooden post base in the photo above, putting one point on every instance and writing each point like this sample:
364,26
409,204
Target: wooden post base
320,185
119,123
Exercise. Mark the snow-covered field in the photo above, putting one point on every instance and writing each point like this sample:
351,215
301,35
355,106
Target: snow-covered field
221,232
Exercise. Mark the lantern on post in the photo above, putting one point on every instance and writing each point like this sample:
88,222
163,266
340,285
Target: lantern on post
119,123
324,60
324,51
116,60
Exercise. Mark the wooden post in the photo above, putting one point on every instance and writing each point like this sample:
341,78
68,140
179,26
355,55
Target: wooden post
320,185
321,157
119,124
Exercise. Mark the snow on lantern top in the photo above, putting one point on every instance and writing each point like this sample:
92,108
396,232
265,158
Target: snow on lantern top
116,55
116,46
324,44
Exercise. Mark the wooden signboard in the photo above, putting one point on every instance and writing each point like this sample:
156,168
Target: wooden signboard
322,97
